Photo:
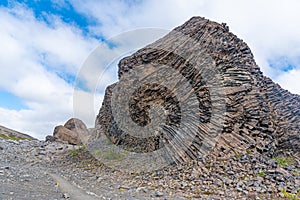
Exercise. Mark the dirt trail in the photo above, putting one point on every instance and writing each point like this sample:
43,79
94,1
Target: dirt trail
72,191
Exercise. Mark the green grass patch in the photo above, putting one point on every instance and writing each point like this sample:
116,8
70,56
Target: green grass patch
295,173
83,148
248,151
291,196
96,152
207,165
284,162
108,141
75,152
261,174
9,137
110,154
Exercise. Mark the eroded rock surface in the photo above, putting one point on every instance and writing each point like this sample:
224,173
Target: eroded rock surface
256,113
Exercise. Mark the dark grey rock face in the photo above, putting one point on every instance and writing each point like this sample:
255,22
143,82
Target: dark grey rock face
236,105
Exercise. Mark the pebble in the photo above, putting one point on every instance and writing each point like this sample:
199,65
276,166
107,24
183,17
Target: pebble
66,196
123,187
230,172
158,194
142,189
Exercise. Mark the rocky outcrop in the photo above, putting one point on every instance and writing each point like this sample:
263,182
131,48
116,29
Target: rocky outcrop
74,132
229,101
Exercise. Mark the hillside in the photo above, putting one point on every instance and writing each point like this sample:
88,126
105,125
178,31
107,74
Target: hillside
6,133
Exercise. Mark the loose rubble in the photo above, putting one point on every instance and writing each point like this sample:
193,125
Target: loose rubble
26,167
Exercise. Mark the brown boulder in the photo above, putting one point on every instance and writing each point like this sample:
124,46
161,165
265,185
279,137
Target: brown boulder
67,135
76,125
74,132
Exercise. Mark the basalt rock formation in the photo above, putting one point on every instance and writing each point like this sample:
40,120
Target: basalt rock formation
236,105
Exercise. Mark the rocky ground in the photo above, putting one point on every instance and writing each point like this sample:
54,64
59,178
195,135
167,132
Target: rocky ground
44,170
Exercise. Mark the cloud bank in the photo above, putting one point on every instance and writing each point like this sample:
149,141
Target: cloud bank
41,56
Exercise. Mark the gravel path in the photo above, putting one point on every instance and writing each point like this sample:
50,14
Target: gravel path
71,190
35,170
22,177
25,175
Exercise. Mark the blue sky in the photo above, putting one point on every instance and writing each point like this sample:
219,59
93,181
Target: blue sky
10,101
41,11
45,43
43,8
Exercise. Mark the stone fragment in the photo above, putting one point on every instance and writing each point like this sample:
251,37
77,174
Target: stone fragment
158,194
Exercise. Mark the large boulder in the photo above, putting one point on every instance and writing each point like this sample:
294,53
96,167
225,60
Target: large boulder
236,105
79,127
74,132
66,135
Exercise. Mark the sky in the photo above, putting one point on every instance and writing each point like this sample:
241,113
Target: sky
46,44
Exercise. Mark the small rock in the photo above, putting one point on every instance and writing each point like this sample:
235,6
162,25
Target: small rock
229,172
273,172
158,194
239,184
239,189
263,190
220,192
13,142
142,189
281,195
122,187
272,163
218,183
279,178
184,184
50,138
66,196
42,153
257,189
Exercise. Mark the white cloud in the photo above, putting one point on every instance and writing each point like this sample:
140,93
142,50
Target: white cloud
35,54
269,27
290,80
32,58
